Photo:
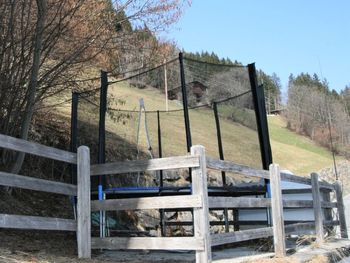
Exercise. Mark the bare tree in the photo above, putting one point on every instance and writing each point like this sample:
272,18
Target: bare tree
45,44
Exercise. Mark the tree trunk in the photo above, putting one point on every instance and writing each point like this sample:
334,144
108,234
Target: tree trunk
33,81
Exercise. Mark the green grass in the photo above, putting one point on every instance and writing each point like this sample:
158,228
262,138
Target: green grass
291,151
294,152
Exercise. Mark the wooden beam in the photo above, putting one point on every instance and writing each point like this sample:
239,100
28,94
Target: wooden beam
153,243
159,202
239,236
316,196
295,179
299,228
83,203
201,215
277,211
26,182
36,223
249,202
145,165
231,167
297,203
238,202
341,212
37,149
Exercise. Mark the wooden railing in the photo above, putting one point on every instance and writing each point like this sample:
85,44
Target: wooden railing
198,200
25,182
276,204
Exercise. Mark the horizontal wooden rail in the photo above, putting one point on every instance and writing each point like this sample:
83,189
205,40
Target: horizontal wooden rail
159,202
37,149
331,223
37,223
238,236
25,182
157,243
245,202
299,227
145,165
238,202
227,166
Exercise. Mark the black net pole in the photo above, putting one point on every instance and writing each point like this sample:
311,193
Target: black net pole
221,155
102,123
263,132
160,153
261,120
74,133
218,134
185,103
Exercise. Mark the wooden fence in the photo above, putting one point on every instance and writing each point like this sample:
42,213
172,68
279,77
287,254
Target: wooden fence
25,182
199,201
279,229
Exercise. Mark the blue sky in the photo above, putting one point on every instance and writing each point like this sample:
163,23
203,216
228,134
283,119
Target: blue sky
282,36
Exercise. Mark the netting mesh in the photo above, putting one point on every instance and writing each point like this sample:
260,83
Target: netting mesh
140,117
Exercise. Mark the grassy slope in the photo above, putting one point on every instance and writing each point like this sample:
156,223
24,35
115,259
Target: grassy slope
173,132
296,153
293,152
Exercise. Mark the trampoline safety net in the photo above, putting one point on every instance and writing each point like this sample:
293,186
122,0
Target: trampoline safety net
145,117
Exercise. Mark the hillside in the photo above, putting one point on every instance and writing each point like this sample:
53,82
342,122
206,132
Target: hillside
293,152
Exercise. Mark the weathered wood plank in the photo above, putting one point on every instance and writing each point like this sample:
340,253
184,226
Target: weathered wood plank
296,191
156,243
83,203
37,149
316,196
299,228
277,212
36,223
297,203
249,202
145,165
158,202
295,179
341,211
231,167
201,215
238,236
26,182
238,202
328,205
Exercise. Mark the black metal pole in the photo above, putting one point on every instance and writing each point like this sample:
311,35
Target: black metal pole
102,123
218,134
261,119
221,154
74,133
263,131
160,153
185,103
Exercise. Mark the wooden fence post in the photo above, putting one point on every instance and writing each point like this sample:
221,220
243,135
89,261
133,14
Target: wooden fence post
83,203
341,212
277,211
316,197
201,215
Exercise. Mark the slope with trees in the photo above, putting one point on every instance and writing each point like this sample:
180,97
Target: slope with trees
316,111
